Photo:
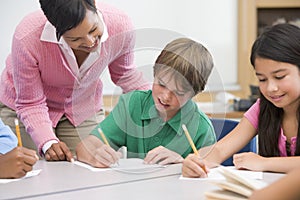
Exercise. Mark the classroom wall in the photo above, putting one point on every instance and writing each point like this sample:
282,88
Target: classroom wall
213,23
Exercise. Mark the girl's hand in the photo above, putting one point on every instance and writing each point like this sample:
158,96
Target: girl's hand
194,167
162,156
249,160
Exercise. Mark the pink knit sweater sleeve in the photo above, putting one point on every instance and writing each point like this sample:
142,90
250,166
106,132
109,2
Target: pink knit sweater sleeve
31,106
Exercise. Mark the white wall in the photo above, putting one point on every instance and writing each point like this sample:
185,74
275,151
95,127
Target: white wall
12,12
213,23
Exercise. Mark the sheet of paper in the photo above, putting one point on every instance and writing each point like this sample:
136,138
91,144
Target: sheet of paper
136,165
87,166
29,174
214,174
130,165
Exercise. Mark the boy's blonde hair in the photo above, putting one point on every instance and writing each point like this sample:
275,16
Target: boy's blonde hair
187,58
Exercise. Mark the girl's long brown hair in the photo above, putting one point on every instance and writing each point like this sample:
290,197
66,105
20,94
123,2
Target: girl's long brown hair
280,43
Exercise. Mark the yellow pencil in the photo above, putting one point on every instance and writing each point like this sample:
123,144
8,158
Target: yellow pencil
105,140
103,137
187,134
190,139
18,133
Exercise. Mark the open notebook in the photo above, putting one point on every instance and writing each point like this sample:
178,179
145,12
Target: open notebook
234,187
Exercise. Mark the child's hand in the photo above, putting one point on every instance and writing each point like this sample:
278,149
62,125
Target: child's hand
162,156
92,151
106,156
17,162
193,167
249,160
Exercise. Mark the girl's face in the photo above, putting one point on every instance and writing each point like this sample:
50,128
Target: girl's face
168,96
279,82
86,36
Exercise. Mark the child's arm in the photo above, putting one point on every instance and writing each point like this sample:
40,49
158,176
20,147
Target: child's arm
256,162
215,154
8,139
162,156
92,151
285,188
230,144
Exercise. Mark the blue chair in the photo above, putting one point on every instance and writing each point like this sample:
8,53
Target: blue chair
223,127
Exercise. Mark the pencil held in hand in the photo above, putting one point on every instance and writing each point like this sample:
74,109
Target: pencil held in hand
189,139
105,141
103,137
18,133
187,134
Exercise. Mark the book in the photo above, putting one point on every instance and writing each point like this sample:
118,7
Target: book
235,186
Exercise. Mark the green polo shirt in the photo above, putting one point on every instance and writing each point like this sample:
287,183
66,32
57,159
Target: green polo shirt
134,122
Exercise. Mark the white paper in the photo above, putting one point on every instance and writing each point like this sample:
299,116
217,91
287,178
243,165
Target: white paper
215,174
28,174
130,165
87,166
135,165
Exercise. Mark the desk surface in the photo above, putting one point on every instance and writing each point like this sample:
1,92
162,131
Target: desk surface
64,180
60,177
161,188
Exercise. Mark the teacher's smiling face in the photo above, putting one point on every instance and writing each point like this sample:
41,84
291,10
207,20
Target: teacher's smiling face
86,36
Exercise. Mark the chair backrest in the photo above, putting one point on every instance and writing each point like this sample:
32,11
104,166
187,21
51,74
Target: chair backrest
223,127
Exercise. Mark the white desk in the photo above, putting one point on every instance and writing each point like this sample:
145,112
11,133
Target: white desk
61,177
162,188
64,180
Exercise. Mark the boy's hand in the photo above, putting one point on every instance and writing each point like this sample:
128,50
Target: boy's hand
105,156
162,156
92,151
17,162
193,167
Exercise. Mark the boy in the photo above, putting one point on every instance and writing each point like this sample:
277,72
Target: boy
149,123
15,162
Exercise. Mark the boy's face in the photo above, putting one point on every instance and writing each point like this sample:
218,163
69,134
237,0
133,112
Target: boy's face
168,95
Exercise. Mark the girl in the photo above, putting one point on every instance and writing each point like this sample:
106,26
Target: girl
274,117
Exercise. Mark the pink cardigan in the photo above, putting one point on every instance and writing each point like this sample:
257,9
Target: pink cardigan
38,83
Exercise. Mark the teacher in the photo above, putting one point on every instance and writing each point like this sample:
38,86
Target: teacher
52,80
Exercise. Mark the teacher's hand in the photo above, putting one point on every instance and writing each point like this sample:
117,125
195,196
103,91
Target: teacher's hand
58,151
